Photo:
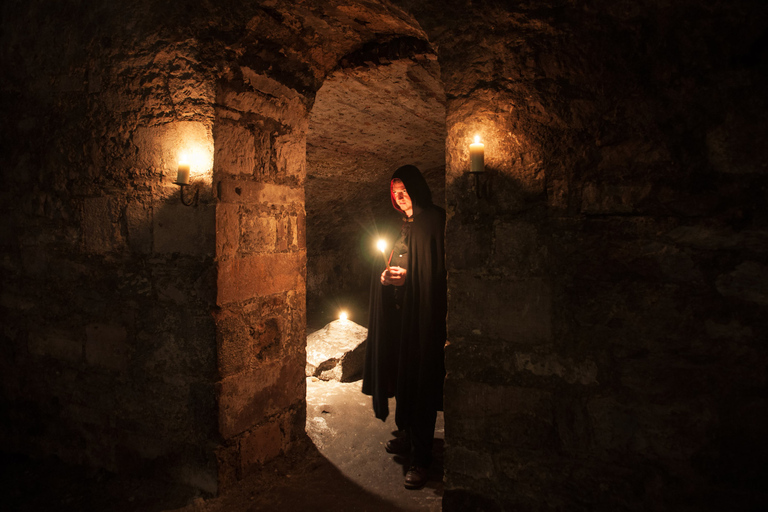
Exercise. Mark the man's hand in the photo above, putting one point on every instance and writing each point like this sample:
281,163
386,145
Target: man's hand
394,276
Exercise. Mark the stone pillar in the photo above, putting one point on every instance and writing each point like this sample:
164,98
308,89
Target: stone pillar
259,170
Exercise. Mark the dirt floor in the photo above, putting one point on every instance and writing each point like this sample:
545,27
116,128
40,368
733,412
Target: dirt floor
344,469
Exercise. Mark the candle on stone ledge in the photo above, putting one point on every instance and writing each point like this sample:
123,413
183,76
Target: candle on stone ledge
182,175
476,156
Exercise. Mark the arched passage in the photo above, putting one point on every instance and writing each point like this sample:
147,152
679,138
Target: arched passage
263,101
383,107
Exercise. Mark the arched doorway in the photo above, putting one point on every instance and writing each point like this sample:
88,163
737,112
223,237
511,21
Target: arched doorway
263,103
383,107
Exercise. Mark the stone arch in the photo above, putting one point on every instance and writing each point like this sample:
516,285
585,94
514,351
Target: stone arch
382,107
265,87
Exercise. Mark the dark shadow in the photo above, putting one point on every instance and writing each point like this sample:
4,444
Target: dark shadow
301,480
28,484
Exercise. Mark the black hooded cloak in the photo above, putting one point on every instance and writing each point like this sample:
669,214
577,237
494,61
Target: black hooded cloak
404,351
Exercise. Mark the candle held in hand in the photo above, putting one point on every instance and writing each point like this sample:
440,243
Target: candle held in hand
382,245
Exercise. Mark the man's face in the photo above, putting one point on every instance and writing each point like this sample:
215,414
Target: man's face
402,198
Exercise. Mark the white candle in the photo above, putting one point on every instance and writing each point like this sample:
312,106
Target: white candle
476,156
182,176
382,245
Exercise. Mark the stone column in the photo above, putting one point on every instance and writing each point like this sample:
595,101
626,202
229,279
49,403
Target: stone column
259,169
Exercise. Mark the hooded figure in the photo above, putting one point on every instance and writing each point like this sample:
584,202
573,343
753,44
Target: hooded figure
406,324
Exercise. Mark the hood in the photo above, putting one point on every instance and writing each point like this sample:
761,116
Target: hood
414,183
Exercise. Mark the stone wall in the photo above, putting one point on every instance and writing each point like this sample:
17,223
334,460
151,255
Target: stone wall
607,305
617,361
108,356
134,324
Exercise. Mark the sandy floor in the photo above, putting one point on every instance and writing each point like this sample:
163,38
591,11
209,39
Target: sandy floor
345,469
340,422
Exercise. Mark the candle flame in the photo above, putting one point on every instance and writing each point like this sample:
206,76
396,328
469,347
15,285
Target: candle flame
343,315
382,245
477,139
183,159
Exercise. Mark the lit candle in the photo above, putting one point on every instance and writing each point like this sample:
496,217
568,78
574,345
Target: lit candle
476,156
182,175
343,315
382,245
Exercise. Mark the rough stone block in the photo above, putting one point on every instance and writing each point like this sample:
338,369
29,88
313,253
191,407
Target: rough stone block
612,199
557,193
269,337
254,192
228,465
235,343
198,477
63,345
464,461
227,229
291,154
273,100
260,234
260,445
235,149
475,248
500,414
106,345
246,339
263,164
549,365
100,232
747,282
138,220
183,229
337,351
301,230
517,247
170,289
283,231
247,398
259,275
515,310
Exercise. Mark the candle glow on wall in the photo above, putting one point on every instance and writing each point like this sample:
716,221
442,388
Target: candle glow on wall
188,146
194,167
197,164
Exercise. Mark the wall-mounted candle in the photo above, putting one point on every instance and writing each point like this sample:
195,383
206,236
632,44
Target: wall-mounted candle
182,175
476,156
382,245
